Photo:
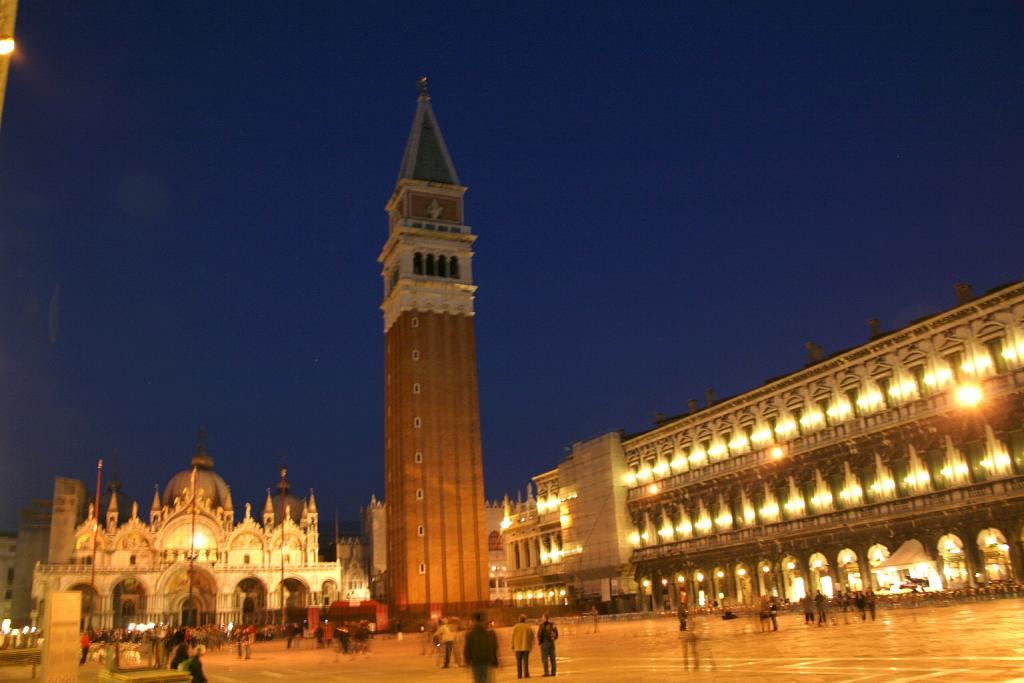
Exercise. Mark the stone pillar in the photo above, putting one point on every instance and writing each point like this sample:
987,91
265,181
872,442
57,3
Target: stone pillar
975,562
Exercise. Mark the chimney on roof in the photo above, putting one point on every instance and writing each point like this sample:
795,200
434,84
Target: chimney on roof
814,352
691,405
964,293
709,395
875,328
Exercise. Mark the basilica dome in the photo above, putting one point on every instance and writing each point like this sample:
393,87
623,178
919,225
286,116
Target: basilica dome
209,484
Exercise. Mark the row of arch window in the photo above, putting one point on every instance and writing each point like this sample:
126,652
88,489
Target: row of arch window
995,356
951,567
438,266
789,498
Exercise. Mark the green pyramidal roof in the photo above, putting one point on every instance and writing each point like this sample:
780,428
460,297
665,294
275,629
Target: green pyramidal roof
426,156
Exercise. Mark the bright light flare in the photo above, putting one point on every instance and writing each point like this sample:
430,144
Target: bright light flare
6,46
968,395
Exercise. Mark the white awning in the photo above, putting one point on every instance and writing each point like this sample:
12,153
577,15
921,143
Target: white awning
908,555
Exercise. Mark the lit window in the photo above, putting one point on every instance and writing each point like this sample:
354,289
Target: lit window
423,568
419,530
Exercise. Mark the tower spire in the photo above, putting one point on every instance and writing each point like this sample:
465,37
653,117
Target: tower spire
426,156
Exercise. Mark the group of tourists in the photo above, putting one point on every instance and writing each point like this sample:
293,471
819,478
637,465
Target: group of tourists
522,644
819,605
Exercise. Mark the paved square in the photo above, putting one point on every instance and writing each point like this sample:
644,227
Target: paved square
974,642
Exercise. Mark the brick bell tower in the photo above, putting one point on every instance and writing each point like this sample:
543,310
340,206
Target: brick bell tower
436,546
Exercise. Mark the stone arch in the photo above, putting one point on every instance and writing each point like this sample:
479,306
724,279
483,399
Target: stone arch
453,267
128,601
417,263
995,556
955,572
851,576
820,578
251,600
794,583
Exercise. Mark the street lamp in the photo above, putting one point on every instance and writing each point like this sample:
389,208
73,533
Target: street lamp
6,46
968,395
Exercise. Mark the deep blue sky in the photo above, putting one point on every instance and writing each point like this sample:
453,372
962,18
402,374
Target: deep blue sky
668,198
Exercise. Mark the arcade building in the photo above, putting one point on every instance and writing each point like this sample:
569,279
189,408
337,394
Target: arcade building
895,465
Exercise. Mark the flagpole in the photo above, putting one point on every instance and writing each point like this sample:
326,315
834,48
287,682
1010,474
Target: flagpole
95,533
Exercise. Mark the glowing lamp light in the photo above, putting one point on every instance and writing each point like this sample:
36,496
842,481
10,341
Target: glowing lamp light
563,520
664,582
678,462
561,593
765,569
644,536
551,594
634,538
741,571
740,442
652,489
716,450
6,46
5,626
968,395
762,435
785,428
685,528
699,576
644,473
790,566
199,540
680,578
629,479
506,523
720,574
647,583
665,531
816,564
661,469
777,452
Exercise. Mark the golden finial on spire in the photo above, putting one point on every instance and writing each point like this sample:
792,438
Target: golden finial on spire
422,83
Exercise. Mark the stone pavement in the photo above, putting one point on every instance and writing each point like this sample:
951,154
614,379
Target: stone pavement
974,642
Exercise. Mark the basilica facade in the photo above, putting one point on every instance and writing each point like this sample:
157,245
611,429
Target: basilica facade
192,562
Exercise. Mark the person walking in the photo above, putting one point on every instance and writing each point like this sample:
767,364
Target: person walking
547,634
681,614
180,655
808,604
446,634
194,665
481,650
861,604
522,643
85,644
822,604
773,612
869,600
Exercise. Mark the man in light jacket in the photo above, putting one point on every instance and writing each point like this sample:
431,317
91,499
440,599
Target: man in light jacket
522,643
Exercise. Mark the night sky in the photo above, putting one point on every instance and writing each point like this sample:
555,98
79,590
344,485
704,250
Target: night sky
668,197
